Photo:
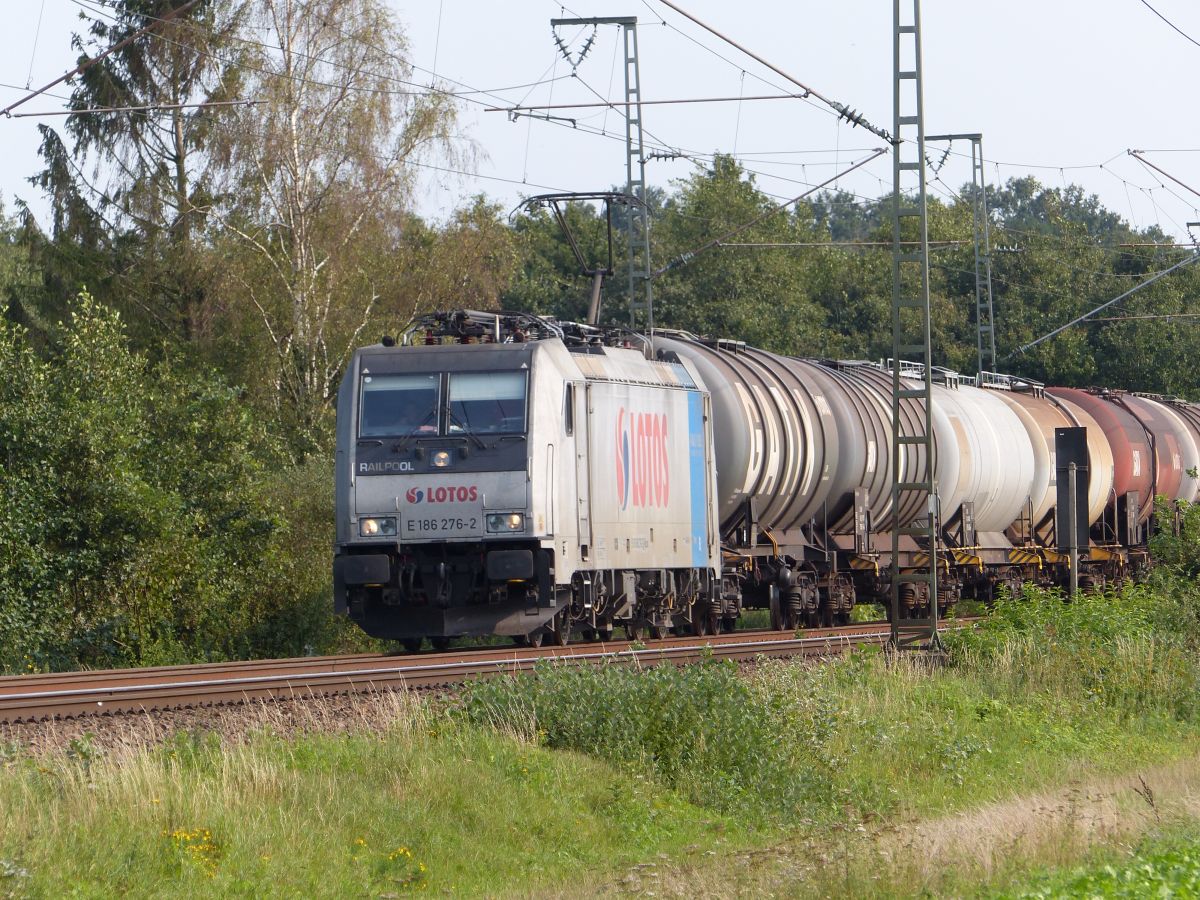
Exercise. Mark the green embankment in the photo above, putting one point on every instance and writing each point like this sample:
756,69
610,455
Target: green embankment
1055,735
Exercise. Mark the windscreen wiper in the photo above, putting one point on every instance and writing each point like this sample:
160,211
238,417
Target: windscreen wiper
465,429
404,439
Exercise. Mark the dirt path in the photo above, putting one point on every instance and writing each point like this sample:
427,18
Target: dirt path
947,856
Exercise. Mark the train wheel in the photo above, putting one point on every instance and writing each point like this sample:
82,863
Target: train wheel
700,622
605,632
536,638
440,643
658,632
561,634
521,640
634,632
412,645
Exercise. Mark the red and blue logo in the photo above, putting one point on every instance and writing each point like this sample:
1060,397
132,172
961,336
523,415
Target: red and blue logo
643,473
459,494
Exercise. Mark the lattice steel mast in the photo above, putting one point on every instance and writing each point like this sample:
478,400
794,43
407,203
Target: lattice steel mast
641,292
911,341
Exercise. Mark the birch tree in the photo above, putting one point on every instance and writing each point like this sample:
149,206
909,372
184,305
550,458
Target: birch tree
319,175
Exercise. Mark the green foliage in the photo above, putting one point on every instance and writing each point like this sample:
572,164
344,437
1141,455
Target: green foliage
758,294
134,526
1176,543
1133,652
723,742
1170,871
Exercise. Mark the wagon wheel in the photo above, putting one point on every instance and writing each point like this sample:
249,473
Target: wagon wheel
634,632
777,621
536,638
658,632
440,643
412,645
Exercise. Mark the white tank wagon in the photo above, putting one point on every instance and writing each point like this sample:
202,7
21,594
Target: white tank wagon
497,474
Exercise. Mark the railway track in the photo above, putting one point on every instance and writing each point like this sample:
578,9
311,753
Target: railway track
67,695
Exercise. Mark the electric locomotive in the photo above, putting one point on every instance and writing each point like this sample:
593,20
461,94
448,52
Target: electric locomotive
501,473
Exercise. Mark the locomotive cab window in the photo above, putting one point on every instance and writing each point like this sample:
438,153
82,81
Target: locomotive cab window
487,402
398,405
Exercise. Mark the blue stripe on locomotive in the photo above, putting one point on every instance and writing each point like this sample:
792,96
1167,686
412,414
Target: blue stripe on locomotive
699,483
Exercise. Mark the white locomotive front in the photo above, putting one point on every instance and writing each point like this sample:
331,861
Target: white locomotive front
504,474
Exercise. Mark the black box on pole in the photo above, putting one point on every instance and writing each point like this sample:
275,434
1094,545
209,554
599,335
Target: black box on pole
1070,446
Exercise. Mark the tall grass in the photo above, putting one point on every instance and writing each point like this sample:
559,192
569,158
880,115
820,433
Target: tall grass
553,779
723,741
404,800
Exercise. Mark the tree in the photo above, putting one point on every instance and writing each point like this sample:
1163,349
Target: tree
757,294
128,195
317,179
134,528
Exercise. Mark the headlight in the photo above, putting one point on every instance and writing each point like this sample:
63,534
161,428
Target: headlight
381,527
500,523
440,459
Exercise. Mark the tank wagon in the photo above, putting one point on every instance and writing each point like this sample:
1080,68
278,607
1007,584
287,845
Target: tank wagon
508,474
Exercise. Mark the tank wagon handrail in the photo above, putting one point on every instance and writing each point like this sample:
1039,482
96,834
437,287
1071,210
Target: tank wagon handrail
1000,381
1161,398
916,371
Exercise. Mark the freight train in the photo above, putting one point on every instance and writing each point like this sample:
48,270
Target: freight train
509,474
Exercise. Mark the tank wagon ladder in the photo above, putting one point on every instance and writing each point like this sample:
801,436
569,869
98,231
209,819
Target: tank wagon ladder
912,588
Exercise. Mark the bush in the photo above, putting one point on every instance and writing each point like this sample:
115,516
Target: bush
134,527
1132,650
1176,543
726,742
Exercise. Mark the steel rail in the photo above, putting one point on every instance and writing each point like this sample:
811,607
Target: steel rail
37,699
22,683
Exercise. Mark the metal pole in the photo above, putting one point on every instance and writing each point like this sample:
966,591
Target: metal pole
1072,533
912,404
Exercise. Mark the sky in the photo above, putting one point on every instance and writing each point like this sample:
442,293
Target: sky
1060,90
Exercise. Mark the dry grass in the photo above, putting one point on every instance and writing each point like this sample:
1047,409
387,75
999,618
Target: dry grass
305,714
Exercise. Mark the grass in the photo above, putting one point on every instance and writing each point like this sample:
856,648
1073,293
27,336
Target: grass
1167,866
1053,735
421,804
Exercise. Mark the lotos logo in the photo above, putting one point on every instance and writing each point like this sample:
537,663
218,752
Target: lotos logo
643,475
468,494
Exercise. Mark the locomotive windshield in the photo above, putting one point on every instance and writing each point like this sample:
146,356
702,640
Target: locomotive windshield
412,405
398,405
487,402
